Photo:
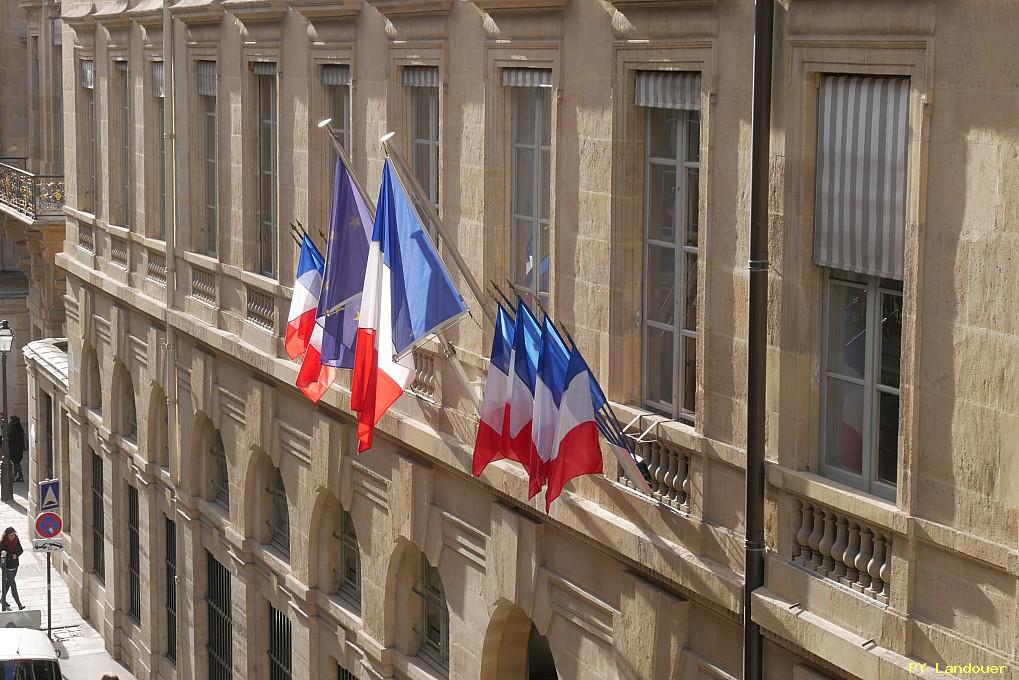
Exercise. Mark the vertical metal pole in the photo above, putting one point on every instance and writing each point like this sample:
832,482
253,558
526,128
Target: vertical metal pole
6,471
49,598
757,339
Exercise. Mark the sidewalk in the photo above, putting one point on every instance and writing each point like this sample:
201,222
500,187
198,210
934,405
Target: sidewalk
82,654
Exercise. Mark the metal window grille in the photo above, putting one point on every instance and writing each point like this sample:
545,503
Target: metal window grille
222,481
532,187
671,228
434,616
50,427
98,526
343,674
424,106
171,589
350,559
279,645
861,356
267,181
134,555
123,85
220,636
280,513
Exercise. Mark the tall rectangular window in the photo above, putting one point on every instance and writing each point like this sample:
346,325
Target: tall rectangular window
134,555
350,559
280,645
532,184
671,101
89,185
170,585
209,220
434,616
47,403
122,99
221,631
98,520
859,233
336,86
280,514
265,85
423,84
159,133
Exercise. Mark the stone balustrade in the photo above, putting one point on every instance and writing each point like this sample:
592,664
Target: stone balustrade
670,473
203,285
425,385
118,251
844,549
156,267
261,308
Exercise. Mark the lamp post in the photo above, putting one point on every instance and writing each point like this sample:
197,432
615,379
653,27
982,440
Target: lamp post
6,467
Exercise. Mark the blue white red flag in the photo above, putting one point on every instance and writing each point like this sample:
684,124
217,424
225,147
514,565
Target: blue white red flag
553,360
576,450
407,296
314,379
491,442
520,401
350,230
303,305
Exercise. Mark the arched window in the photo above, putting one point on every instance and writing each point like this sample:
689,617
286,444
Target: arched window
93,387
350,560
280,517
221,482
434,629
159,429
128,414
540,664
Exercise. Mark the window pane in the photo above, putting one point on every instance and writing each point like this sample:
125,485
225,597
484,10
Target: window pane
690,289
891,333
661,284
543,263
544,186
845,426
544,97
693,136
692,207
658,358
523,180
422,164
523,115
661,202
888,437
847,330
662,135
689,374
523,241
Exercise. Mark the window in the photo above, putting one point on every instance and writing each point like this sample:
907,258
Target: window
859,231
129,423
93,387
221,631
423,85
434,616
47,404
671,225
532,185
98,520
280,520
159,99
350,559
209,220
343,674
122,83
171,589
265,84
221,480
89,187
279,645
134,555
336,85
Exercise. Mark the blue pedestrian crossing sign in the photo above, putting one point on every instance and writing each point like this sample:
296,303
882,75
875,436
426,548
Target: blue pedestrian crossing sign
49,495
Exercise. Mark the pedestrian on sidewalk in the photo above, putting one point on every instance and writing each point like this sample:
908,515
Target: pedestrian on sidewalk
16,446
10,551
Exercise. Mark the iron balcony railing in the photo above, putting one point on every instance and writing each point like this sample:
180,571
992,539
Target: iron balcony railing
30,194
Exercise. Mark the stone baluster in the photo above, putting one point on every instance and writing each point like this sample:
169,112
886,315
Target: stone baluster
815,538
839,549
824,547
687,484
802,546
655,467
670,475
850,555
863,559
874,567
885,573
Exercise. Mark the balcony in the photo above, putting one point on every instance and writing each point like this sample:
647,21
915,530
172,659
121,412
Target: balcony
29,196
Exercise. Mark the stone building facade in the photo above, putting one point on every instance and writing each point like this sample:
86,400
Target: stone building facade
597,154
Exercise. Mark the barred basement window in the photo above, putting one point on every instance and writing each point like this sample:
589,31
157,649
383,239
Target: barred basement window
134,555
350,560
343,674
279,645
98,526
221,632
280,514
171,589
434,616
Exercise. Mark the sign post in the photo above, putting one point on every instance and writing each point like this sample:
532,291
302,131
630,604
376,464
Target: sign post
48,525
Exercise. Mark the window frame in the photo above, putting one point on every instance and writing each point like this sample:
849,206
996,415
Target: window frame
98,518
280,649
431,184
219,612
279,521
221,476
121,100
350,550
170,584
208,133
134,555
266,110
90,137
159,132
436,652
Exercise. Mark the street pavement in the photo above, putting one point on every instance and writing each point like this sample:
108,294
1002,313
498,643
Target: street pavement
82,652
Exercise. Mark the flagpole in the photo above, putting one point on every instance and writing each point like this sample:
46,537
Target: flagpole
440,229
447,347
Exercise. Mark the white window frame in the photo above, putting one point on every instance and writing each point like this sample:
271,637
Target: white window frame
267,149
535,221
209,127
90,187
428,145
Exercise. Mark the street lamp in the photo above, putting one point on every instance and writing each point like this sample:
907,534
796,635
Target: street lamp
6,467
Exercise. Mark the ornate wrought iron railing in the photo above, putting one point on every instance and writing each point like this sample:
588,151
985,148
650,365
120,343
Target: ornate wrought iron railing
30,194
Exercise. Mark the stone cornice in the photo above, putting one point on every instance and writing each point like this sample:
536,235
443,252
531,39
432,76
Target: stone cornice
392,8
256,11
80,16
675,4
495,7
327,9
198,11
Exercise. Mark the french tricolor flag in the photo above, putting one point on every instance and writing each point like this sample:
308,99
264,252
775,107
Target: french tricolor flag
304,304
408,296
553,361
314,378
576,450
520,399
490,443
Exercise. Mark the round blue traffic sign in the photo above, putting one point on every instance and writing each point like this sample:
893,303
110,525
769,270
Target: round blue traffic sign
48,524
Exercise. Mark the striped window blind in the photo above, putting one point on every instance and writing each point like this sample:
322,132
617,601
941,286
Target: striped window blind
527,77
207,78
263,68
680,90
421,76
337,75
860,208
158,81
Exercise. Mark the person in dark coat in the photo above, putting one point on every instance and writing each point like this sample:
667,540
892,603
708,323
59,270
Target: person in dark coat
16,446
10,552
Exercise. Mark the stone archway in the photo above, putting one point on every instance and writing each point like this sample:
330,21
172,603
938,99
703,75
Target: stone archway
514,648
